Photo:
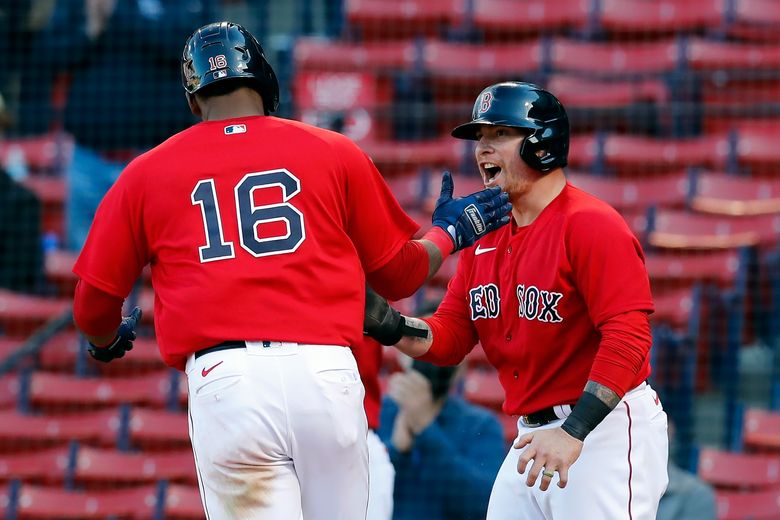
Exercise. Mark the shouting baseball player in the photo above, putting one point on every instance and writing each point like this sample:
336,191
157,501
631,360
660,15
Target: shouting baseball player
559,300
259,231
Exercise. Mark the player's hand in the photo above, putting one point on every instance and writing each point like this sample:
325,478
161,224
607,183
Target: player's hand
552,451
381,321
467,218
402,437
123,342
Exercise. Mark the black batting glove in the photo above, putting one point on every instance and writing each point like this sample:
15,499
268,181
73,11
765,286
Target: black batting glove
468,218
123,342
381,321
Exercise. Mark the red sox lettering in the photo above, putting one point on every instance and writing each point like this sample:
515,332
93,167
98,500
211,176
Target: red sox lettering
533,303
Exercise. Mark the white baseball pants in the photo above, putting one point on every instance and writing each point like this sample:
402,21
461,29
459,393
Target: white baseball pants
279,432
620,474
381,475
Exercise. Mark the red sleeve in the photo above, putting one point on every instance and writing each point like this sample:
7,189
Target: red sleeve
115,251
622,360
96,312
600,242
376,224
454,334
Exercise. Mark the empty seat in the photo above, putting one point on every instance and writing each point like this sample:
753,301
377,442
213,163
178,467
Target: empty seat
512,18
578,92
55,390
761,430
674,307
724,194
157,429
320,54
394,156
47,465
482,387
754,20
629,194
634,153
106,467
480,65
183,503
373,19
20,431
21,314
29,501
675,269
703,54
677,229
757,505
757,147
640,17
738,470
614,58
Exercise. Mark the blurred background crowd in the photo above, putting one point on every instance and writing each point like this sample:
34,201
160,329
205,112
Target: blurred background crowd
674,106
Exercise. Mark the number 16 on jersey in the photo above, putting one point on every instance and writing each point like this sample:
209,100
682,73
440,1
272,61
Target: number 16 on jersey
250,216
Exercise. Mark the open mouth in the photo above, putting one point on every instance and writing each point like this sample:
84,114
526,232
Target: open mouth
490,171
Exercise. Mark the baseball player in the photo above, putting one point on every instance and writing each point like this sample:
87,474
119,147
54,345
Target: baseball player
259,231
559,300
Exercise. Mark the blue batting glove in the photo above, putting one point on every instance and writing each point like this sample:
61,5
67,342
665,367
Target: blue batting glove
123,342
468,218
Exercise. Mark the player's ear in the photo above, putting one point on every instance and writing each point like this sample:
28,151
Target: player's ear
194,106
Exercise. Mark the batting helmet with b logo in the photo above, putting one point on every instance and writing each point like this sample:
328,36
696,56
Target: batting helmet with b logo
524,105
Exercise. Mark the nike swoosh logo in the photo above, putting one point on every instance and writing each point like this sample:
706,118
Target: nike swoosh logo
481,250
206,371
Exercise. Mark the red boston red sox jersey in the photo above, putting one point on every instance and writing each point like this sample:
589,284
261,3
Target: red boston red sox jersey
535,296
256,228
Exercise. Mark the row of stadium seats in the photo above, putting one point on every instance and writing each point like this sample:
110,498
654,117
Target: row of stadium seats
372,19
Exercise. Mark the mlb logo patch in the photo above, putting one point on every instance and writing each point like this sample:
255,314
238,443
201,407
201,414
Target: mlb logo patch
235,129
220,74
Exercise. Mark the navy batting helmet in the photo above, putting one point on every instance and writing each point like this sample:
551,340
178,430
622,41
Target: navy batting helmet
225,51
524,105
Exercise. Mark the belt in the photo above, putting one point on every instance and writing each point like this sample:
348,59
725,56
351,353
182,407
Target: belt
546,416
225,345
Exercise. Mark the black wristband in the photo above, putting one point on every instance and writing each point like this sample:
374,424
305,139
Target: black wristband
587,414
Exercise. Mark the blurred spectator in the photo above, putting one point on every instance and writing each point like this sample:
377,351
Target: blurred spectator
446,451
21,251
686,496
124,92
14,16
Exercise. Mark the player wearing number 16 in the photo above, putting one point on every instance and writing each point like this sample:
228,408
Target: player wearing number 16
261,234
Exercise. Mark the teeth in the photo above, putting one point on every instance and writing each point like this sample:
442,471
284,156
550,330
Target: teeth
490,165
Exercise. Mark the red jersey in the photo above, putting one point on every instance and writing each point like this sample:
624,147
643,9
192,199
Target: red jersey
256,228
368,355
535,296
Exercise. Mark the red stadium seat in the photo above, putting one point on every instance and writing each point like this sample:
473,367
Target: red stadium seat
477,358
673,269
725,469
640,17
158,429
583,150
20,431
21,314
482,387
754,20
761,430
9,390
723,194
58,391
512,18
702,54
577,92
395,156
758,505
479,65
614,58
183,503
58,504
372,19
104,467
47,465
630,153
675,229
319,54
59,354
757,147
673,307
637,194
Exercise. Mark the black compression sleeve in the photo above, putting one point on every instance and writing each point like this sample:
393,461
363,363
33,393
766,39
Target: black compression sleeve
587,414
